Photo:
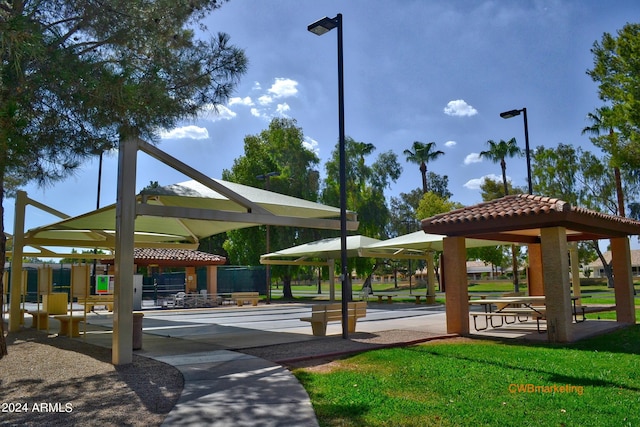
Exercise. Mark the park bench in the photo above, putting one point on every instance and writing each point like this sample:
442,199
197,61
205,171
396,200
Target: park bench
241,297
69,326
40,319
90,301
428,299
388,296
324,313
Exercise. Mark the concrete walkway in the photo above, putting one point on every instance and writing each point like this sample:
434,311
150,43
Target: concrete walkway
225,387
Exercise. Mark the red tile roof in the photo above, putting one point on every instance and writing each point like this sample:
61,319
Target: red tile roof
514,217
174,257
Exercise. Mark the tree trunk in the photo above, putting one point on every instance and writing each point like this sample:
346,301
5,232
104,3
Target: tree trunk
608,271
3,254
423,170
503,165
286,287
619,193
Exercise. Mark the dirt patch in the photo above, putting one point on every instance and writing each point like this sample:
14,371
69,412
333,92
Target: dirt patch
50,380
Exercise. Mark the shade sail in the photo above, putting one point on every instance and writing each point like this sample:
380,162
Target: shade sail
323,249
186,212
414,245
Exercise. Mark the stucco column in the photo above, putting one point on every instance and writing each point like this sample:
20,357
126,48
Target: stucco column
455,273
212,279
575,271
536,282
191,279
622,280
556,283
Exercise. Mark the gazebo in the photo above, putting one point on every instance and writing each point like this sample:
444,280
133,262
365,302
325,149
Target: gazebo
546,225
176,257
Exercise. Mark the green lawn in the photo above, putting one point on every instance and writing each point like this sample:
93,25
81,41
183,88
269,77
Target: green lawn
482,383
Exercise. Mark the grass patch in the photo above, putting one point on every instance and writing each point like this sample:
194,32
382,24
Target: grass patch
478,382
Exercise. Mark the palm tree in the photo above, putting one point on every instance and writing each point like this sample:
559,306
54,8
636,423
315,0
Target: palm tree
498,151
421,155
609,143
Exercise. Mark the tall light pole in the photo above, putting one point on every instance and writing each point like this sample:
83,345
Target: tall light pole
267,180
513,113
319,28
95,251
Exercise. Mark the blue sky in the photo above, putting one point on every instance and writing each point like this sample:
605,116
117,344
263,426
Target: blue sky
415,70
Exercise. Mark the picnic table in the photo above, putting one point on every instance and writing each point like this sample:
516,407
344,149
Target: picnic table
516,308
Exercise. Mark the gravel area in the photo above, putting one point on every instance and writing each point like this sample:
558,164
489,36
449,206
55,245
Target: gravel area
56,381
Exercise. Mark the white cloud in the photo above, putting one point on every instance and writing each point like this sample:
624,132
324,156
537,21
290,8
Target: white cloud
263,105
241,101
474,184
472,158
311,145
450,144
265,100
186,132
459,108
283,88
283,108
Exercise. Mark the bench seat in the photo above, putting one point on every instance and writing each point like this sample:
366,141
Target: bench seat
324,313
241,297
388,296
69,326
39,319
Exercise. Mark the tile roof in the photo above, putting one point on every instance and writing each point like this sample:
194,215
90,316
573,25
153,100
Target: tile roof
174,257
519,212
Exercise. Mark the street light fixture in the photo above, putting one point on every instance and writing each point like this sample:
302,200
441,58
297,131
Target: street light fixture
320,27
267,180
512,113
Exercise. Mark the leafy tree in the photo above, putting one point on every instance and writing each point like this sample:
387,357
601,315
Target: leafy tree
439,184
582,179
604,137
491,189
421,154
280,148
403,215
616,68
497,153
77,77
432,204
365,187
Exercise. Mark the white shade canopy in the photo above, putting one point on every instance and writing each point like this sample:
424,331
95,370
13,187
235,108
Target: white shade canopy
320,249
184,213
414,245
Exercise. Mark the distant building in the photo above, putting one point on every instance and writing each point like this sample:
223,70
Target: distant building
597,270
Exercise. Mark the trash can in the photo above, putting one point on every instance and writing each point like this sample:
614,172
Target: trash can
137,330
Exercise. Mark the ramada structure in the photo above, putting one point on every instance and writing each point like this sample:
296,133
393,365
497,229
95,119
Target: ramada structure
174,216
546,225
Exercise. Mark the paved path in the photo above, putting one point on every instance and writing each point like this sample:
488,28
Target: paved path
225,387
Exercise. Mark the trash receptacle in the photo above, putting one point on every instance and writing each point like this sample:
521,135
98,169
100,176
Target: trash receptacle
137,330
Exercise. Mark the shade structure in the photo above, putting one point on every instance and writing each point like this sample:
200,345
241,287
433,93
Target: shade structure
183,213
323,249
415,245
